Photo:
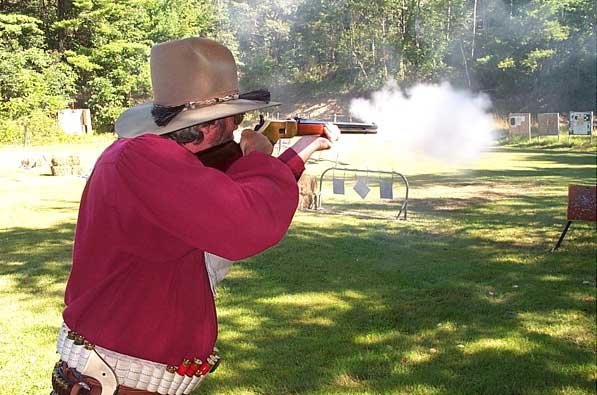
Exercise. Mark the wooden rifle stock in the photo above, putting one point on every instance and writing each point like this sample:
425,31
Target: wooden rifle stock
221,156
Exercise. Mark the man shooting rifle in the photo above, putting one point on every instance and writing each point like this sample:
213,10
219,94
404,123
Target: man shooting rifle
157,228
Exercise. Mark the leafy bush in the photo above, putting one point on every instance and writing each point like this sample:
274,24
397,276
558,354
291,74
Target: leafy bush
11,132
43,129
36,129
34,83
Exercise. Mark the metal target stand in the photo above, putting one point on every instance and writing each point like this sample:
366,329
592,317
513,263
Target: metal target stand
403,208
582,206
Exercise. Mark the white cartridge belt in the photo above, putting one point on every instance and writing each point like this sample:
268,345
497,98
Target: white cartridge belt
135,372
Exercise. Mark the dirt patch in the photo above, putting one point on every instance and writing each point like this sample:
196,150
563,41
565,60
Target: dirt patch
305,102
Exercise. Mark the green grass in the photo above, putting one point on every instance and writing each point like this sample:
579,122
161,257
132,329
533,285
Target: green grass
564,141
463,298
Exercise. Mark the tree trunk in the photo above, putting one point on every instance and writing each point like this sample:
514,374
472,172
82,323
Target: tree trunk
448,18
468,77
417,23
62,9
384,49
474,30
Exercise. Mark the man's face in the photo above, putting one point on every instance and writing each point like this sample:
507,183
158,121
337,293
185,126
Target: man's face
218,132
225,131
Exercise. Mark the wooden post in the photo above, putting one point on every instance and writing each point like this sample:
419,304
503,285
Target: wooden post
26,136
592,127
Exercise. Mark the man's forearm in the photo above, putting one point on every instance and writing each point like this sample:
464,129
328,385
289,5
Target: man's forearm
306,146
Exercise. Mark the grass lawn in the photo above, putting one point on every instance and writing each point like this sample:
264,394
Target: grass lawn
462,299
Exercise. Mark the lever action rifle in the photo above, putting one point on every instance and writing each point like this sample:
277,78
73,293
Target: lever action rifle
275,129
223,155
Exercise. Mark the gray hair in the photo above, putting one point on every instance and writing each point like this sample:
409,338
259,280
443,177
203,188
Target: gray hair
192,134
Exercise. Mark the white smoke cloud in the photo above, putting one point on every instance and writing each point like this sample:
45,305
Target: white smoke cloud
450,125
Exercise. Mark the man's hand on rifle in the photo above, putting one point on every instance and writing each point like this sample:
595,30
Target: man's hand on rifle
251,141
307,145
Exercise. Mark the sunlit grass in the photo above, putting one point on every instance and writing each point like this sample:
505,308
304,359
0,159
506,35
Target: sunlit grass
463,298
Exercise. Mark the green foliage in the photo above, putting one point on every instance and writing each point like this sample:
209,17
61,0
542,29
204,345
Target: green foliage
507,63
541,52
104,100
11,132
528,55
577,143
109,43
36,129
80,61
43,129
179,18
122,77
32,80
523,49
89,53
20,31
533,59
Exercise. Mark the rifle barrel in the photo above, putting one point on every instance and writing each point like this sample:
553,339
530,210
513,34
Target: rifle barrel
345,127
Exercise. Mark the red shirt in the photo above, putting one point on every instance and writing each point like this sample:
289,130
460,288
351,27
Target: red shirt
138,283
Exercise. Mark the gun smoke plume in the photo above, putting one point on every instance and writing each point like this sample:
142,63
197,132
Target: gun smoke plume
453,126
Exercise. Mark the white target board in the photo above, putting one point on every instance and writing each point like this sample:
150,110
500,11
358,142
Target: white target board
75,121
520,123
581,123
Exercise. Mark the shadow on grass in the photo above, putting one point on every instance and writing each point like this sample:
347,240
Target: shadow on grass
387,307
540,218
37,258
355,309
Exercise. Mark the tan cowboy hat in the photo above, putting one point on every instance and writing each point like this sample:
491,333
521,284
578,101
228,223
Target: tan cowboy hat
194,80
